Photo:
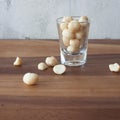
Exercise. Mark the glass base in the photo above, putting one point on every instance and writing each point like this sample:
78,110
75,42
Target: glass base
74,60
74,63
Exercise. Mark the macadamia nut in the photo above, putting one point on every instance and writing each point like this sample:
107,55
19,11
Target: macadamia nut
18,62
66,41
59,69
63,26
42,66
79,35
84,28
68,34
74,26
114,67
83,19
72,49
67,19
30,78
51,61
75,43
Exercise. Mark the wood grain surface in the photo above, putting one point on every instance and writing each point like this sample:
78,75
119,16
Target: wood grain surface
90,92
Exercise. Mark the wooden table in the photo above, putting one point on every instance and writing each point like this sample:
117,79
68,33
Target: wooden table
90,92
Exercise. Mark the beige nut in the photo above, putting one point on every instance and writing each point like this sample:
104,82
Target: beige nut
68,34
42,66
66,41
72,49
18,62
79,35
74,26
67,19
84,28
63,25
83,19
114,67
51,61
30,78
59,69
75,43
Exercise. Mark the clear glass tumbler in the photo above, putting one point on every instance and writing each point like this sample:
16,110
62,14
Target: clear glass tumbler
73,39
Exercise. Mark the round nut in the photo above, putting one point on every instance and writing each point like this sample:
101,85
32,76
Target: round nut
75,43
30,78
114,67
42,66
111,67
66,41
79,35
51,61
18,62
59,69
67,19
72,49
84,27
68,34
63,26
74,26
83,19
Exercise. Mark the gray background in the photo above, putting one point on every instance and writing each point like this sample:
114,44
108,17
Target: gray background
36,19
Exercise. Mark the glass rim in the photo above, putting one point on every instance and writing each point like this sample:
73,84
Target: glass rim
58,20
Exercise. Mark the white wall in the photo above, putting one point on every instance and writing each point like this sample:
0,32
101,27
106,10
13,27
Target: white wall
36,19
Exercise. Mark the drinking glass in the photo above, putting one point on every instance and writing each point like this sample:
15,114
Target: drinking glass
73,40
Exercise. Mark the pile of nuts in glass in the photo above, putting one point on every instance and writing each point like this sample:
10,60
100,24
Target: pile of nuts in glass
74,32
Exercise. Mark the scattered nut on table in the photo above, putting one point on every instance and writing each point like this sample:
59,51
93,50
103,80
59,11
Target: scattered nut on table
51,61
30,78
18,62
114,67
42,66
59,69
